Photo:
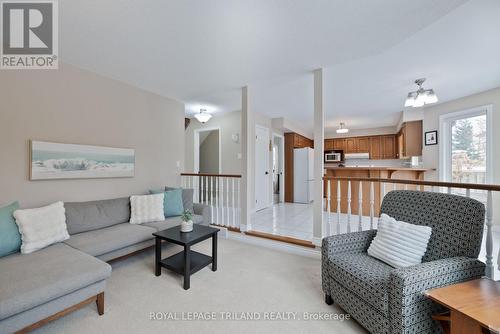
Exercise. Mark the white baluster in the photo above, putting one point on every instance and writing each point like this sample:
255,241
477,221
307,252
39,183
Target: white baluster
206,189
228,223
406,186
328,207
211,199
360,206
490,272
372,204
217,200
239,203
433,189
233,204
394,186
383,190
449,190
467,192
338,207
348,206
221,185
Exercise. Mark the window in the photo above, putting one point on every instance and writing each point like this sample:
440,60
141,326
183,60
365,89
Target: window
466,147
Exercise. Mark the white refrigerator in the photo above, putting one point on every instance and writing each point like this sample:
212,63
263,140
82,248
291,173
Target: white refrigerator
303,175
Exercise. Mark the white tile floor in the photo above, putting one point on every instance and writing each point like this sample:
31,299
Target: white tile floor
285,219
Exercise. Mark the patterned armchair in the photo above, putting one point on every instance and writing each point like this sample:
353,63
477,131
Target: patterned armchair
388,300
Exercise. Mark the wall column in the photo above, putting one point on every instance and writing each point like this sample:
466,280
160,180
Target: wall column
319,139
247,159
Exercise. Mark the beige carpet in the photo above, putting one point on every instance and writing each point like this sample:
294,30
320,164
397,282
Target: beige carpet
249,279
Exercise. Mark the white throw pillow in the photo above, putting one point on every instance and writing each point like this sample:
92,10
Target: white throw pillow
146,208
41,227
399,244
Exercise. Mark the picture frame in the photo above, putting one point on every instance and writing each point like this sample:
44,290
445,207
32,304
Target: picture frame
431,138
51,161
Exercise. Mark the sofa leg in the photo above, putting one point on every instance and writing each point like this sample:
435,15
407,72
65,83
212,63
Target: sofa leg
100,303
328,299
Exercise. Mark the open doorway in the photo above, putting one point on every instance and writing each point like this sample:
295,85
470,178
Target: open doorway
278,167
207,151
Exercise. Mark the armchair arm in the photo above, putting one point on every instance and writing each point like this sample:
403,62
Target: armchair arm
407,303
356,242
203,210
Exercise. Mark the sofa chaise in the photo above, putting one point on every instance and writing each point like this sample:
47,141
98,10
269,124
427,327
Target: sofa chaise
42,286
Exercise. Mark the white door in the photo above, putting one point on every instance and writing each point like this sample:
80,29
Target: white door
262,175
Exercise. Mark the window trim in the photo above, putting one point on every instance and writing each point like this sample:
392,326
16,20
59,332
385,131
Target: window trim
445,143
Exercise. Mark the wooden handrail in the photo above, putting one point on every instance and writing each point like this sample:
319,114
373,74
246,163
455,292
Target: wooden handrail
213,175
490,187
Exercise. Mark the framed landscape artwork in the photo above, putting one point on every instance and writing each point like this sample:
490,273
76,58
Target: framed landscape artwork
50,161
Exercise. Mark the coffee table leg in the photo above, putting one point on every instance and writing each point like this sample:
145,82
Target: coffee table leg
157,256
187,266
214,252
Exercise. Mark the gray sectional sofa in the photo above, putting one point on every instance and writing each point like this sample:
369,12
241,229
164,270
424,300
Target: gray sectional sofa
42,286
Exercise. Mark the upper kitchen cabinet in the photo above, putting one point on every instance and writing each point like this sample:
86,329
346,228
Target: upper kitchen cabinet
376,147
338,144
388,145
363,144
329,144
350,145
409,140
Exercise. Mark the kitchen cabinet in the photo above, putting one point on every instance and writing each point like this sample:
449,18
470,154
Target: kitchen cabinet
350,146
363,144
388,145
329,144
375,147
338,144
409,140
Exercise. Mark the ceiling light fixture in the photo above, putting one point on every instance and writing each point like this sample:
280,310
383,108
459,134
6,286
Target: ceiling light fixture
342,128
420,97
203,116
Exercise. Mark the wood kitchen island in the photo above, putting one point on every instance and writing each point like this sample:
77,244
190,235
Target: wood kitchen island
401,173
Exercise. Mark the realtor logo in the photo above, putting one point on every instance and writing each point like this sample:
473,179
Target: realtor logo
29,34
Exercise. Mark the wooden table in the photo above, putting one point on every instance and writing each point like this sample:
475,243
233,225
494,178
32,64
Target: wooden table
474,306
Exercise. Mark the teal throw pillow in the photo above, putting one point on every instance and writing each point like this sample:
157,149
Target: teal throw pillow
173,204
10,239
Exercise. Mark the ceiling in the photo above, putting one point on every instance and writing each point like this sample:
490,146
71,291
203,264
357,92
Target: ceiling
202,52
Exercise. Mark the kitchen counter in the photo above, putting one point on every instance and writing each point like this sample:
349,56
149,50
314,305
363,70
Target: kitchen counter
414,169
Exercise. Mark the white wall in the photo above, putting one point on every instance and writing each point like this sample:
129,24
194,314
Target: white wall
229,124
70,105
431,122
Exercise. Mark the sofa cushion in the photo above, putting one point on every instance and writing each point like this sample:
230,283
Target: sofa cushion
111,238
29,280
363,276
171,222
41,227
89,216
10,239
187,198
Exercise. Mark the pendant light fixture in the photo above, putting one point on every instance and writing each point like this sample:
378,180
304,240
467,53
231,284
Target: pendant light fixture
342,128
203,116
421,96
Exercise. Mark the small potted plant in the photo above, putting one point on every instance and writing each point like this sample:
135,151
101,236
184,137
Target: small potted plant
187,222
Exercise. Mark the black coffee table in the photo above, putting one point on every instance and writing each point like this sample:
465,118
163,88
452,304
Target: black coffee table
188,261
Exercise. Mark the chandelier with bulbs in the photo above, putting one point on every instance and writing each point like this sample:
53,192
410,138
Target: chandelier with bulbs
420,97
203,116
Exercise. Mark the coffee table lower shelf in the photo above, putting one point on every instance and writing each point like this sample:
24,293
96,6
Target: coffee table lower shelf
176,262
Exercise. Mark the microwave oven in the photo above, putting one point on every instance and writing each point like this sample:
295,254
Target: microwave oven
333,157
